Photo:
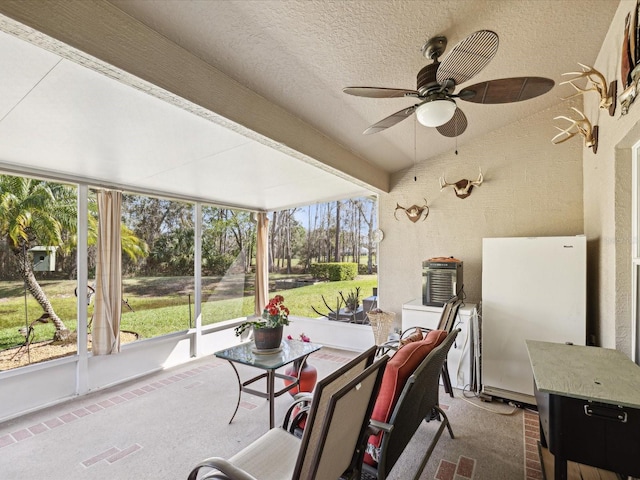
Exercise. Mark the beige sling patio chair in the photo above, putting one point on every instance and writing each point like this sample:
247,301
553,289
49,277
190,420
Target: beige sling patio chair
296,416
337,420
417,402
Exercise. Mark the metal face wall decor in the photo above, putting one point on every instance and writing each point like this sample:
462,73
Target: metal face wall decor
581,126
595,83
630,61
463,187
414,212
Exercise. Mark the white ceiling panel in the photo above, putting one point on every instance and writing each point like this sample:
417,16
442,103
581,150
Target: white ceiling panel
260,176
64,118
23,66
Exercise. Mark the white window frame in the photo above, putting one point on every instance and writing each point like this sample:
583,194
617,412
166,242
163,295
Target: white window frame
635,254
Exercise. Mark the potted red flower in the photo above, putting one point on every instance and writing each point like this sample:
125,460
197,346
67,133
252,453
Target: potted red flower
267,330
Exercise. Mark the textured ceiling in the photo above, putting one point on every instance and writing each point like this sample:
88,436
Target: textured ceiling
300,54
240,103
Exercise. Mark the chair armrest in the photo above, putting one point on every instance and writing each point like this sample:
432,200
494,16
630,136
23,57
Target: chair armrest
222,465
294,425
302,401
375,427
390,344
387,347
303,396
413,329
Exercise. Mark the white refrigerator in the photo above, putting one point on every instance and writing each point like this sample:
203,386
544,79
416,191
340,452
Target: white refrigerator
533,288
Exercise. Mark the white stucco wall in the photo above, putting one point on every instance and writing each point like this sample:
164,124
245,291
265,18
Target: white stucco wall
531,188
607,201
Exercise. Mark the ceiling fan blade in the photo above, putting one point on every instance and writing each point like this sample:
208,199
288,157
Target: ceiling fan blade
374,92
468,57
506,90
454,127
390,121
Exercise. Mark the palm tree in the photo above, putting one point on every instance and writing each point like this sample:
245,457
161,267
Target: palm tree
35,212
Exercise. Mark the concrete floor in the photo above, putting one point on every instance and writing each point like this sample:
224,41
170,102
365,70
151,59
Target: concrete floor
161,425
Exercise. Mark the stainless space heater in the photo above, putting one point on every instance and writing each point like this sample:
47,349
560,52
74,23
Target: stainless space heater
441,280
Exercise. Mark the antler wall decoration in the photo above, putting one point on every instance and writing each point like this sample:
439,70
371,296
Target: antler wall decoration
581,126
463,187
595,83
414,212
630,93
630,61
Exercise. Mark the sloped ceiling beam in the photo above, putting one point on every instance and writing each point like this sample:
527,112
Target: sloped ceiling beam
103,31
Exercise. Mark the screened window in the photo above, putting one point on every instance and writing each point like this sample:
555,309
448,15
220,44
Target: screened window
37,270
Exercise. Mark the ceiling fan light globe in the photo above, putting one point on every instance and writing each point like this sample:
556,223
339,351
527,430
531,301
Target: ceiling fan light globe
436,112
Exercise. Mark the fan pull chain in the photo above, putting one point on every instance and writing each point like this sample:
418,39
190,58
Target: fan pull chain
415,134
456,137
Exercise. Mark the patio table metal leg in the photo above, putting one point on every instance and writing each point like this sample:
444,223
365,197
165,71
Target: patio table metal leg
271,393
239,391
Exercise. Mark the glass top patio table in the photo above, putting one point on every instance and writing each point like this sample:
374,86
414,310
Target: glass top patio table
246,354
290,351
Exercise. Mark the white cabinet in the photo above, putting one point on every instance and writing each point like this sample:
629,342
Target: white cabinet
460,357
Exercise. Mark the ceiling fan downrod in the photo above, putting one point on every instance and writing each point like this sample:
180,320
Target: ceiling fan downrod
435,47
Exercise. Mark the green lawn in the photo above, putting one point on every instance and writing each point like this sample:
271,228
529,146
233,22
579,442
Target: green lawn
161,305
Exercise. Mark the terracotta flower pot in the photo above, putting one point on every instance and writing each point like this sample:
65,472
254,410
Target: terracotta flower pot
267,338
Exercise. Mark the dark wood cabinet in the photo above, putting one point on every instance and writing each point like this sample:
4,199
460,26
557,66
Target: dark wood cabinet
588,402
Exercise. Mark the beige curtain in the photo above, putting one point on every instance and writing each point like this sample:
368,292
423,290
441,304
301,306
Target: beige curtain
262,263
108,301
